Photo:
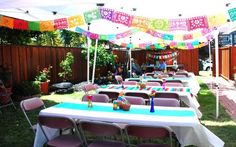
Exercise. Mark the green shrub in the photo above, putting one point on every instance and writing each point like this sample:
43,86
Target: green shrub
26,88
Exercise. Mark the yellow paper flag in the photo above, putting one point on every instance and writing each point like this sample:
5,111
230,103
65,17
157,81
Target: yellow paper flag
74,21
217,20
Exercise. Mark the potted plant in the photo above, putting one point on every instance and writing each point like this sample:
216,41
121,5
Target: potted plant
66,73
43,78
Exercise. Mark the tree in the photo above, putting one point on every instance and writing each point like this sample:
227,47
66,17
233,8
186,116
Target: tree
66,73
104,58
72,39
13,36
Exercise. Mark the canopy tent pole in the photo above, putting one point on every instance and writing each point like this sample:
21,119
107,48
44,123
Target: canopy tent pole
94,60
130,59
88,45
217,72
210,58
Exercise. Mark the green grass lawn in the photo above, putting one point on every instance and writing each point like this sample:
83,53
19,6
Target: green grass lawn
15,132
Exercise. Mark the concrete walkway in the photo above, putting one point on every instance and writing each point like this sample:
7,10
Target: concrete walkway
227,94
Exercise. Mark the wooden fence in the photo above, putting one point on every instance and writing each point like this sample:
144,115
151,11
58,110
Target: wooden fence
227,62
25,61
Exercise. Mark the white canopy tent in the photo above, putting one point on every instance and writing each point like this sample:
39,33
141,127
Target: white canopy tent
39,10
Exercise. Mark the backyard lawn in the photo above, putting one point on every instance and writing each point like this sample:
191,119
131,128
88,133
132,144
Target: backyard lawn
15,132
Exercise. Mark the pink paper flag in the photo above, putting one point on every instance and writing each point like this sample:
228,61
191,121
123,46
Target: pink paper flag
187,36
178,24
60,23
122,18
197,22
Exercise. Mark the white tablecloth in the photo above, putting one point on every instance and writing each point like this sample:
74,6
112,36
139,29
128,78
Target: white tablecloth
188,129
190,82
186,97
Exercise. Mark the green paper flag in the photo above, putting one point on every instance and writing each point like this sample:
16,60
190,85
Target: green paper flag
34,25
232,14
92,15
160,24
103,37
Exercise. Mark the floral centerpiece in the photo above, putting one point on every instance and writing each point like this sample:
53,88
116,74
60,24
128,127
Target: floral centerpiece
152,94
142,85
43,78
90,98
121,102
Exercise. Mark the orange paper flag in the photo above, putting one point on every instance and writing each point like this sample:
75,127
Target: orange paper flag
7,22
46,26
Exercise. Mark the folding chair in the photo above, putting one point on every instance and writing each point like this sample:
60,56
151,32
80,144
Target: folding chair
168,102
103,98
112,95
146,133
135,100
143,95
119,79
101,129
173,84
5,96
137,80
30,105
167,95
89,87
129,82
156,83
62,123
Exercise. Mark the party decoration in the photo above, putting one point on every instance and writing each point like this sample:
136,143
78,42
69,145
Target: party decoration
106,13
20,24
122,18
34,25
90,99
232,14
7,22
178,24
74,21
140,22
187,36
163,56
92,15
60,23
197,22
46,25
216,20
159,24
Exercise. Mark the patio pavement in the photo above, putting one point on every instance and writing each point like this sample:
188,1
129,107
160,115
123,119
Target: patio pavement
227,94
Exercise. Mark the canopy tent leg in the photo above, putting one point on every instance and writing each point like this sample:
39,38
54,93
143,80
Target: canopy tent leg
217,72
95,59
88,45
210,58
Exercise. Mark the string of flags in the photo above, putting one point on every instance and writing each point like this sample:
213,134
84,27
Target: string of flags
162,57
200,26
186,24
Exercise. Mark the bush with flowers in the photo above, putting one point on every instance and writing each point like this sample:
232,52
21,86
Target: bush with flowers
44,75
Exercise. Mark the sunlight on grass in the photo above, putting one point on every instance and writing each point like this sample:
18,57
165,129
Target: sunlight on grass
58,98
217,123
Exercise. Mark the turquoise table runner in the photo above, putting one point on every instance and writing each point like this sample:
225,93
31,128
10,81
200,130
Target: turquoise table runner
176,89
109,108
